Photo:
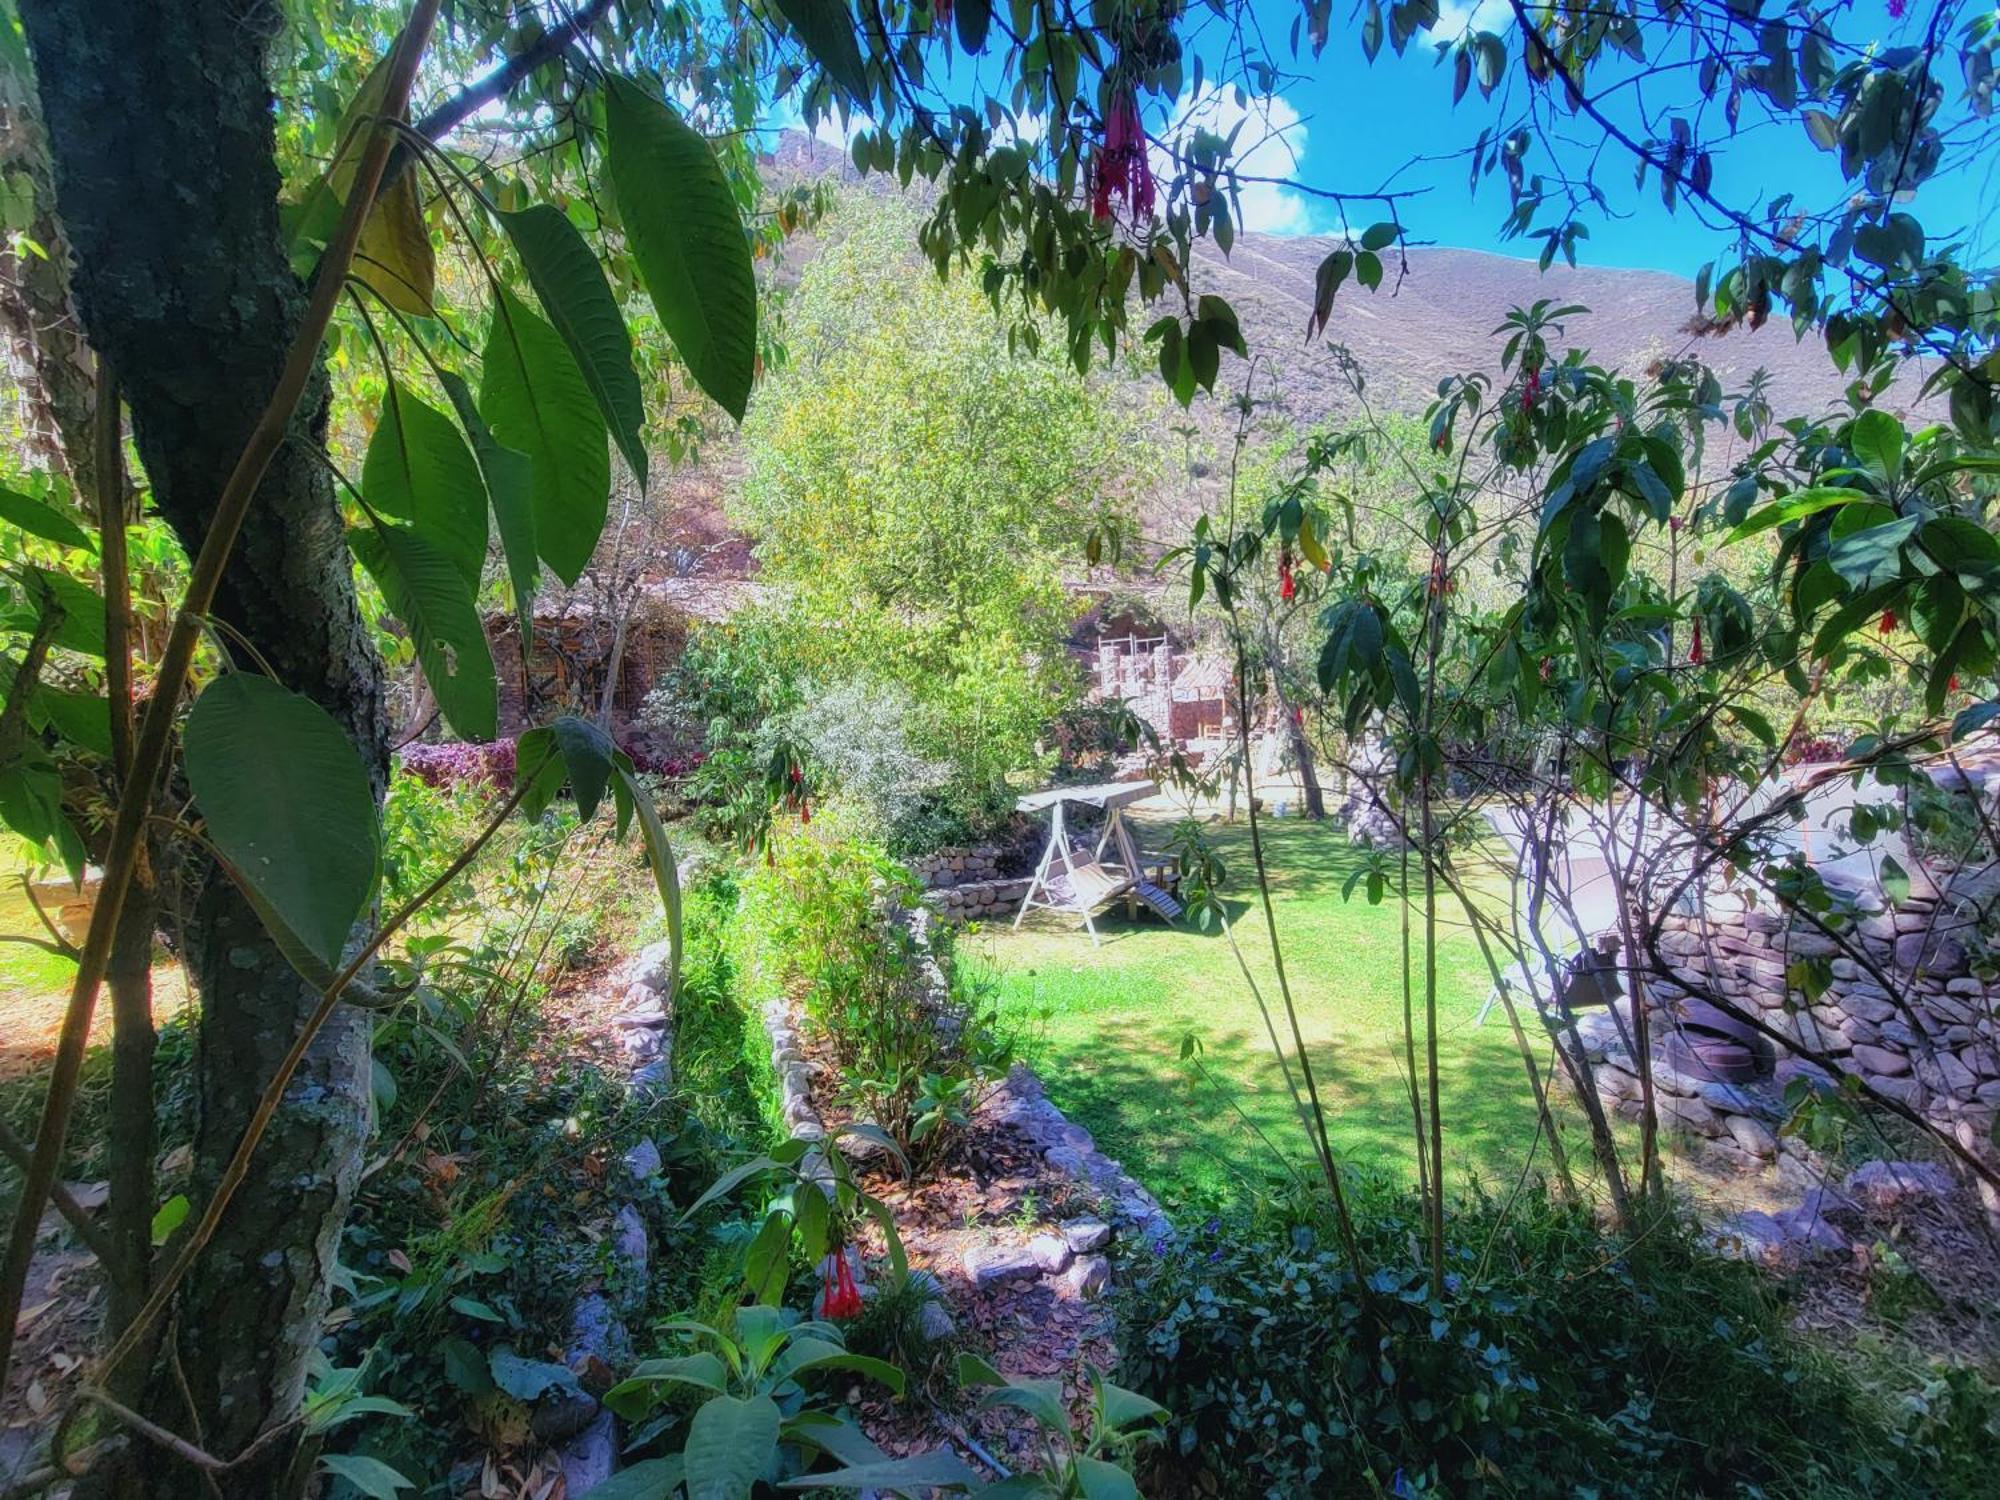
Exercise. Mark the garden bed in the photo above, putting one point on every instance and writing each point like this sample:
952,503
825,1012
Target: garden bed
1012,1228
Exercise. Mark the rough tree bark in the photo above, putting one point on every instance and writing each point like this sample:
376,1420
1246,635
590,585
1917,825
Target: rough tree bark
37,315
159,115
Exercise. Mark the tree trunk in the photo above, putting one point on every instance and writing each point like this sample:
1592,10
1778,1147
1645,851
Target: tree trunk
159,115
37,316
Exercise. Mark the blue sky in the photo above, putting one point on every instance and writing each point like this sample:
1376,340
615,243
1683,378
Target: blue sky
1357,124
1345,124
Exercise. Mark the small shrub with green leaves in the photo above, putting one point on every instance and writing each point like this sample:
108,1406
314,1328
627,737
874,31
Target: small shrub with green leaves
1091,1460
760,1417
1561,1361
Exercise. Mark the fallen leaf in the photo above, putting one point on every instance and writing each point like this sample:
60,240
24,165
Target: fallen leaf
29,1314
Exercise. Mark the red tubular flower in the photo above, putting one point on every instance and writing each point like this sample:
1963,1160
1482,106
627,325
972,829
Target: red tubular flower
1287,586
1888,621
1694,650
1531,387
805,810
1121,169
840,1297
941,14
1951,685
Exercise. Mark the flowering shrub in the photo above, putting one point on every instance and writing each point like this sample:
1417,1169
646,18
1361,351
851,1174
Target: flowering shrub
455,763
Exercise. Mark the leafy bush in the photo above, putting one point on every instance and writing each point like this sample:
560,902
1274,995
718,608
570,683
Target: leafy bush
914,1044
857,734
1561,1362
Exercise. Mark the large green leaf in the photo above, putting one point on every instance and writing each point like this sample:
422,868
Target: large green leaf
369,1476
660,854
539,768
537,402
82,626
570,285
827,29
909,1476
654,1479
1872,555
419,470
426,591
586,751
510,485
730,1445
687,238
805,1355
1101,1480
1877,441
288,803
973,17
81,718
41,519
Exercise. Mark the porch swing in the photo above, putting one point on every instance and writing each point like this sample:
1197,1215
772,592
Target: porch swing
1068,880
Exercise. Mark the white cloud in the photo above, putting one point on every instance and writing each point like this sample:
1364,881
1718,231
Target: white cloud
1456,17
1271,144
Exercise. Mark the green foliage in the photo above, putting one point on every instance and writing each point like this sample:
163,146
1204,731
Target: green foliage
538,403
287,805
1090,1462
1558,1360
915,1042
760,1419
919,491
687,238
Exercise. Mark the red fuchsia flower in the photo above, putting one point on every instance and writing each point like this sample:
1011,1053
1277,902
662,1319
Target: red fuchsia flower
1531,387
1121,169
1694,649
1675,523
1888,624
805,810
1951,684
839,1296
1287,585
1897,7
941,13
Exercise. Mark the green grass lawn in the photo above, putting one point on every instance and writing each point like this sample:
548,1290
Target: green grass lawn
1111,1052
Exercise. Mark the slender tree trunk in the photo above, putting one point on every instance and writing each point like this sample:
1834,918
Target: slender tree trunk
160,126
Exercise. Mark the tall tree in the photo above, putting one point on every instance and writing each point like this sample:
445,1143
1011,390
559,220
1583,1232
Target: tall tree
193,300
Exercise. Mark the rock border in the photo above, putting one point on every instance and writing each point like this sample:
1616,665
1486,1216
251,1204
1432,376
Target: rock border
587,1449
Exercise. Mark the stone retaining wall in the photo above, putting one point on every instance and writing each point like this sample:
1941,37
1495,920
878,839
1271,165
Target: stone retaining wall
1927,1038
980,901
957,866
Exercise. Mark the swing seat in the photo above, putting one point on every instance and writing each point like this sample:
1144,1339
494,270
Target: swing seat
1086,884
